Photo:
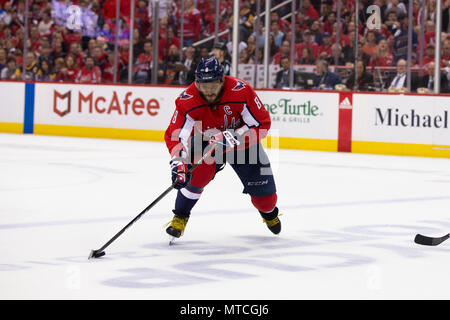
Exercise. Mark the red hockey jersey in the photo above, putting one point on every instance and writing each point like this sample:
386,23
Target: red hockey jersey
239,108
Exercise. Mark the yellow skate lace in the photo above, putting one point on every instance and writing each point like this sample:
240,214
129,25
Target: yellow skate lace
272,222
177,223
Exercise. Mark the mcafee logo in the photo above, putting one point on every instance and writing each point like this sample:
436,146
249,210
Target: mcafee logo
61,103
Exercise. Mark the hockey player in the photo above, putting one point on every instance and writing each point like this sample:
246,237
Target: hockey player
212,108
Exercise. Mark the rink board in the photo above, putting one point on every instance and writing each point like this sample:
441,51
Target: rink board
143,113
302,120
12,103
111,107
409,125
393,124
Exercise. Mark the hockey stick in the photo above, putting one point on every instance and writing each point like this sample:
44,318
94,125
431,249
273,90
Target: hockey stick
430,241
100,252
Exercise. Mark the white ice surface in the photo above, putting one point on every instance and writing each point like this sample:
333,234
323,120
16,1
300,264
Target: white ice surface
347,227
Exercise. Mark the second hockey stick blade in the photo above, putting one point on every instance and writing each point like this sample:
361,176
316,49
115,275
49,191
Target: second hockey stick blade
430,241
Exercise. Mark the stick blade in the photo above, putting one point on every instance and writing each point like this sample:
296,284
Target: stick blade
430,241
96,254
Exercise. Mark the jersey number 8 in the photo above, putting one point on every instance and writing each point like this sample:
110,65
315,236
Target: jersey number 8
258,103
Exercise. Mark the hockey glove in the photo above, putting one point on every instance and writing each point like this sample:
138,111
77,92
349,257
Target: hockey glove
180,172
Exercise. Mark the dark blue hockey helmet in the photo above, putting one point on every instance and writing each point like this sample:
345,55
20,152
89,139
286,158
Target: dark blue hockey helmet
208,70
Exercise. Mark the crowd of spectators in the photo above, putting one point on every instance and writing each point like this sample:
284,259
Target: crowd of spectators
74,40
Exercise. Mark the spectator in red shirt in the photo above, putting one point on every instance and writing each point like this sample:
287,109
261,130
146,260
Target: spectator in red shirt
307,42
109,9
125,8
192,23
141,11
18,55
2,2
302,20
328,24
143,65
35,38
75,49
18,38
166,41
429,54
283,24
203,5
71,36
90,73
124,55
99,55
17,22
285,52
325,48
36,13
211,28
382,57
430,32
108,69
344,40
325,9
310,12
142,18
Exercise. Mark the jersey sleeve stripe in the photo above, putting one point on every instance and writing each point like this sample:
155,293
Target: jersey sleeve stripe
185,131
248,118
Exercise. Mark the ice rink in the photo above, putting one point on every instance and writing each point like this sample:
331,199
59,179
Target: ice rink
348,226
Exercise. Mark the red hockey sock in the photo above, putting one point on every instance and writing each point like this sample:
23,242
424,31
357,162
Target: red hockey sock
266,203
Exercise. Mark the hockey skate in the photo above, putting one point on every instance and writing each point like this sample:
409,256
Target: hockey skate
272,221
177,226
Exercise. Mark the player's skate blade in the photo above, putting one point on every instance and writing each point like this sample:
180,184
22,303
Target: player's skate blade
172,241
